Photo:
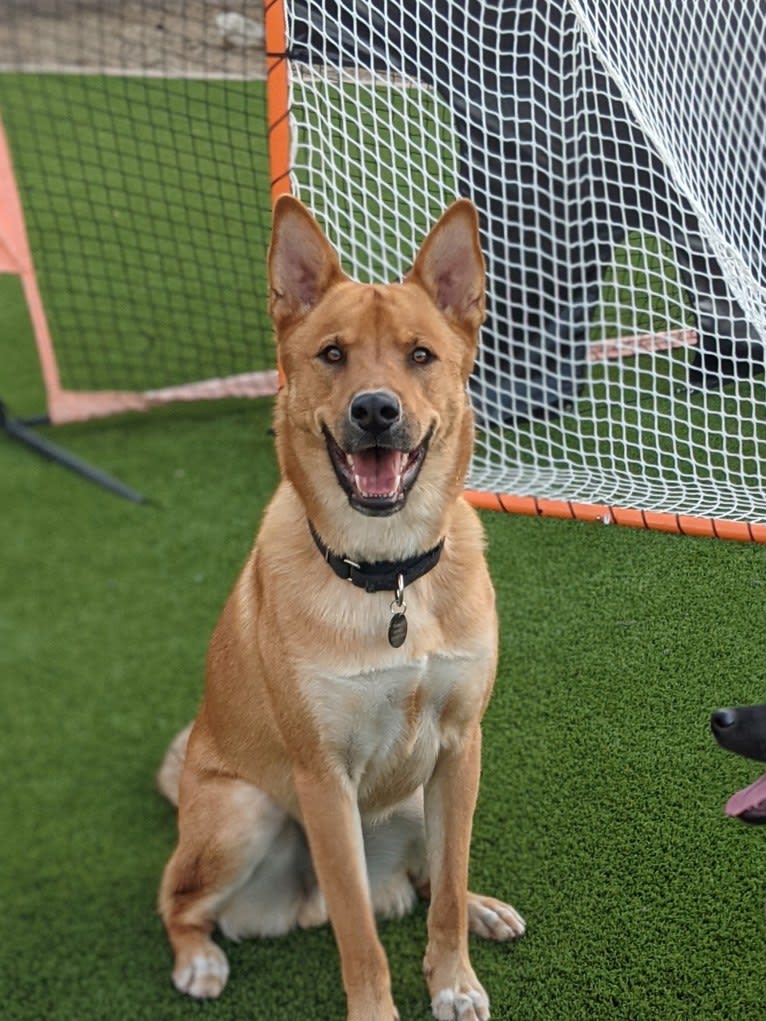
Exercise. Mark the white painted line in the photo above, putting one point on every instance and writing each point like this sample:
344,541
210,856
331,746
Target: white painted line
190,74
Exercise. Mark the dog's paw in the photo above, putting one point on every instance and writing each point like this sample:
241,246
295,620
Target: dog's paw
394,899
456,993
461,1004
201,974
313,911
492,919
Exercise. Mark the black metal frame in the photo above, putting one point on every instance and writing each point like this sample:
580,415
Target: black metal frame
21,430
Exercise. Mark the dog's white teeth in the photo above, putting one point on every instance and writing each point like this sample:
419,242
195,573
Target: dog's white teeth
349,460
372,493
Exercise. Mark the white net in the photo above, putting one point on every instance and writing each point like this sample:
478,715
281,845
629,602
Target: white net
615,152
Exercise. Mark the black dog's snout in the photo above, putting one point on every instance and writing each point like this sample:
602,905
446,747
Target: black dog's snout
722,719
742,730
375,411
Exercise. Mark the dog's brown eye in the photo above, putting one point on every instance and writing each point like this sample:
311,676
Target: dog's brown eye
422,356
332,354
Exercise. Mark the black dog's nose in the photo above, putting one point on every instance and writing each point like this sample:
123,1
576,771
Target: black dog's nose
375,411
723,718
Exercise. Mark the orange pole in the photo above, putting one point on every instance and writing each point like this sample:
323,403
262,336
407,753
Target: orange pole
277,97
16,257
630,517
277,105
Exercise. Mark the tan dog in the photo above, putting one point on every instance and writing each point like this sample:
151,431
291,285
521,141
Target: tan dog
333,768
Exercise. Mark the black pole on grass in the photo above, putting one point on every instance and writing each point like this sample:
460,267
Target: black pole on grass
21,432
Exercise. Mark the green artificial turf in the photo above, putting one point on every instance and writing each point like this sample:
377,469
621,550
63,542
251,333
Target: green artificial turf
601,806
600,814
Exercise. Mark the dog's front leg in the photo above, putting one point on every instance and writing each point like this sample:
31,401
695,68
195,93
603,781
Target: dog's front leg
450,800
331,817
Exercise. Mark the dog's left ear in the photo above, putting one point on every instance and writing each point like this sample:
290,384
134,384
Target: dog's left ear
303,264
450,266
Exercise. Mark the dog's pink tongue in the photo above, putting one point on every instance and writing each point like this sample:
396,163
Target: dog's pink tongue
749,797
377,472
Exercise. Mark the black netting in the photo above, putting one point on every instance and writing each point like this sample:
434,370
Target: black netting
139,138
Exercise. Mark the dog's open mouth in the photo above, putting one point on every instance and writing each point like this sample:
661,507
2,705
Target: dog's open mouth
749,804
377,479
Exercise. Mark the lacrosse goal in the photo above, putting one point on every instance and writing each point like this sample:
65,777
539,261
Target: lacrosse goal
613,152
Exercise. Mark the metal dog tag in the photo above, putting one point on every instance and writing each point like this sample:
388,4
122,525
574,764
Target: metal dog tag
397,630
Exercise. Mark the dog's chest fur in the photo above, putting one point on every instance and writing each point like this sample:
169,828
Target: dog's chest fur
383,714
384,726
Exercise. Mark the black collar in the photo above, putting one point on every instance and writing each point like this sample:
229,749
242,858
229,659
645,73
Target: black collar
383,575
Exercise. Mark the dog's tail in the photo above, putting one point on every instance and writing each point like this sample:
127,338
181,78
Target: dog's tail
168,777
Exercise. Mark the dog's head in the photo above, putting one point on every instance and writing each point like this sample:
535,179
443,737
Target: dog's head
373,419
743,731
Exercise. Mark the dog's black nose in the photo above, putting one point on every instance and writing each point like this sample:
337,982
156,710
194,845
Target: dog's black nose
375,411
723,718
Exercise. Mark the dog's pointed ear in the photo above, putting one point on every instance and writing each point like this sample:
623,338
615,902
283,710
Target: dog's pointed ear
450,266
302,262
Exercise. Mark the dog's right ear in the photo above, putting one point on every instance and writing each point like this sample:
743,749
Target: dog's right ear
302,262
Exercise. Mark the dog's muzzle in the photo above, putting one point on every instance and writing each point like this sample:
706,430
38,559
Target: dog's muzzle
375,459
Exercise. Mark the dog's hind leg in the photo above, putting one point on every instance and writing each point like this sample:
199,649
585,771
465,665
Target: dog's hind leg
272,900
395,850
226,829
